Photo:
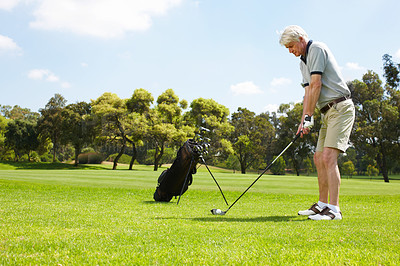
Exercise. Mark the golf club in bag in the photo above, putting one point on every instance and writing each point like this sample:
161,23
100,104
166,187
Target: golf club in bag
220,212
176,180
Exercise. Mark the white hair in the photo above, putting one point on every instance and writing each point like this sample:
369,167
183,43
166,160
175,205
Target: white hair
292,33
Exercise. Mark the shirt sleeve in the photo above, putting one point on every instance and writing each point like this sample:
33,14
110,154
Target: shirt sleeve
317,60
305,74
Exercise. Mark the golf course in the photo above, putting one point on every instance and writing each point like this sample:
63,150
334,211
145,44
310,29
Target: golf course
55,214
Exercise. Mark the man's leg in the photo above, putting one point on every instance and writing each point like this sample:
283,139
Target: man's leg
322,177
323,186
329,158
328,174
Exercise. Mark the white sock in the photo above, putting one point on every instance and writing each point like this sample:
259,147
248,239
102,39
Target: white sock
334,208
322,204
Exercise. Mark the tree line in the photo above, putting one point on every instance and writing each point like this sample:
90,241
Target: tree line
150,130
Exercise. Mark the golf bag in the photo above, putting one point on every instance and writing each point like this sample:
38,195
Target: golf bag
176,180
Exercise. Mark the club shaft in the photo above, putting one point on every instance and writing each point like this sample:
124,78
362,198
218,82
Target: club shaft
265,170
204,162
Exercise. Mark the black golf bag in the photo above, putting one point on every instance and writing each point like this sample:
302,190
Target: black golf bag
176,180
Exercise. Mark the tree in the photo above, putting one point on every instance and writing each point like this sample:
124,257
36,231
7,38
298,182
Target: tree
139,107
112,120
50,123
372,171
348,168
392,75
17,112
391,72
22,137
209,114
278,168
308,166
5,152
377,120
166,124
78,126
251,136
286,131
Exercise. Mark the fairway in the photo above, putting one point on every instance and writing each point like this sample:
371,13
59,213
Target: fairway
75,217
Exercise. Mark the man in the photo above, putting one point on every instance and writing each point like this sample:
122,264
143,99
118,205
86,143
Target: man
326,90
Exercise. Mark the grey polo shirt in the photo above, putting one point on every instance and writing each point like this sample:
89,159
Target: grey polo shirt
319,60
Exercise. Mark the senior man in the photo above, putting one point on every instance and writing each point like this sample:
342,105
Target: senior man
326,90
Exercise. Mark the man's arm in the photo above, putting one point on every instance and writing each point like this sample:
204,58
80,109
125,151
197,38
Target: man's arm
311,96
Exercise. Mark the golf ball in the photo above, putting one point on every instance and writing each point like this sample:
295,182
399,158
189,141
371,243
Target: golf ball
218,211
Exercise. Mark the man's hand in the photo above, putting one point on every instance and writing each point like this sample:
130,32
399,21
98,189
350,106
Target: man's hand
306,124
308,121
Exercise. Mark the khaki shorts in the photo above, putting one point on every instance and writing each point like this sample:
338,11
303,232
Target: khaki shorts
336,126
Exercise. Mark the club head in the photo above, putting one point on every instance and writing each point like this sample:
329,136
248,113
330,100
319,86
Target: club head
204,129
217,212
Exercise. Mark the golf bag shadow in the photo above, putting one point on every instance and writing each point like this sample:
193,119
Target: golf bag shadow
176,180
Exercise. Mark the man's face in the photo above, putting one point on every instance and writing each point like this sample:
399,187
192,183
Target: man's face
297,48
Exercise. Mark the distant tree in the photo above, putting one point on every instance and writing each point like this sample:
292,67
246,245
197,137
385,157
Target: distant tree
139,107
391,72
233,163
251,136
209,114
78,127
166,124
308,166
392,75
376,125
279,167
286,131
50,122
111,115
140,101
5,152
17,112
348,168
372,171
22,137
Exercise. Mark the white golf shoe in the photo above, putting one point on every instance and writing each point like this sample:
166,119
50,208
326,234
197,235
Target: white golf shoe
326,214
314,209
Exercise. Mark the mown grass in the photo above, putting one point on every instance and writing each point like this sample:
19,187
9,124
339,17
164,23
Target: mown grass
95,217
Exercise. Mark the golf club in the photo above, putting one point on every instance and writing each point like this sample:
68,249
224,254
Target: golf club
220,212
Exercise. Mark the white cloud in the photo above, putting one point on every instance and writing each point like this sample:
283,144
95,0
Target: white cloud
397,55
83,64
7,45
99,18
48,76
278,83
8,4
65,85
271,108
354,66
247,88
42,74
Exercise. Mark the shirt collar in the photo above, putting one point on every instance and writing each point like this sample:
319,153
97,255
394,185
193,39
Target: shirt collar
304,58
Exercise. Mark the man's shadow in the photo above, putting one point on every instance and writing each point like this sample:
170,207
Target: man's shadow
250,219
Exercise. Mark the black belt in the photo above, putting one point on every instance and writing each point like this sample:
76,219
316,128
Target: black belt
329,105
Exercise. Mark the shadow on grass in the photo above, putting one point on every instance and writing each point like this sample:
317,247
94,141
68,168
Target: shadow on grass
157,202
44,166
251,219
218,219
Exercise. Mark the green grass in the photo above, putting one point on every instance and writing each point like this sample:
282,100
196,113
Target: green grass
101,217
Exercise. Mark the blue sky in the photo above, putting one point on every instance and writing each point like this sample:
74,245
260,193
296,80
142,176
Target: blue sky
215,49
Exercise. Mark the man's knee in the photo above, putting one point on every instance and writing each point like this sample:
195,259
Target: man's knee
318,158
329,157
